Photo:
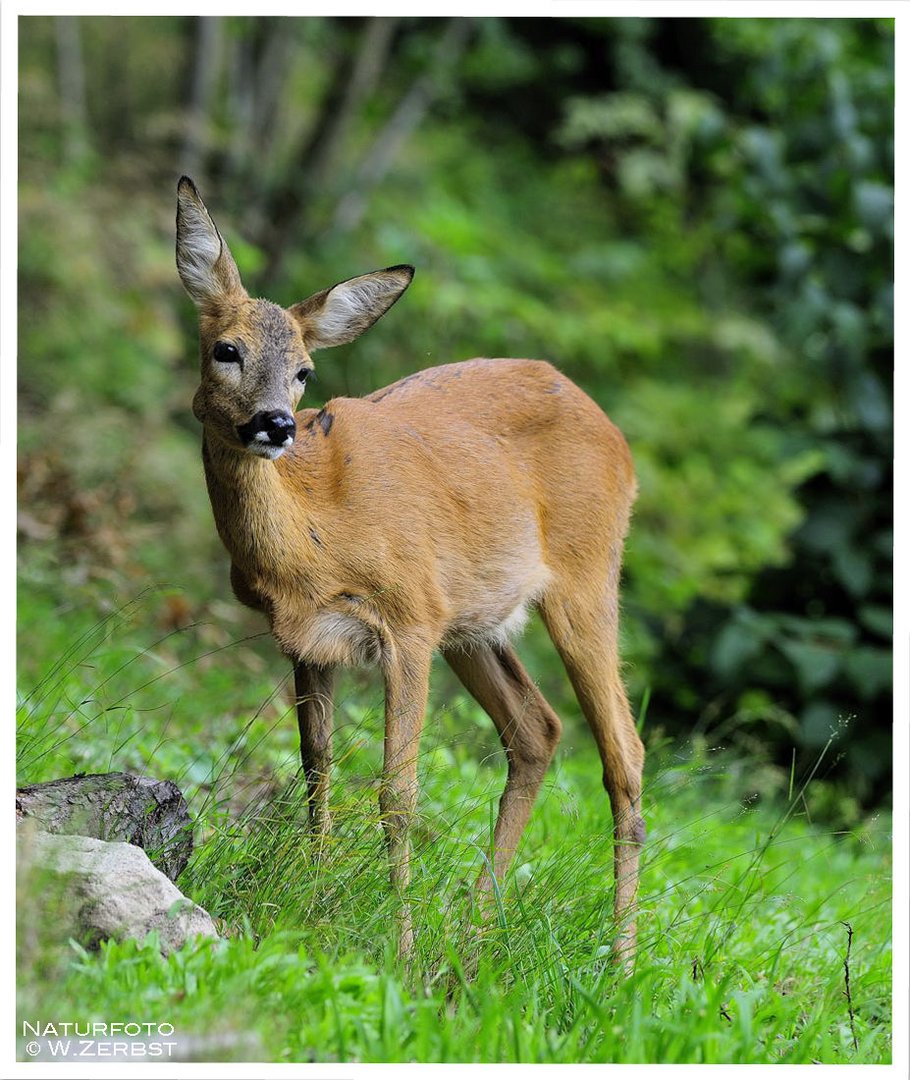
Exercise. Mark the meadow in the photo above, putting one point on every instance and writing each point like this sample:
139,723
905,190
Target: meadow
748,907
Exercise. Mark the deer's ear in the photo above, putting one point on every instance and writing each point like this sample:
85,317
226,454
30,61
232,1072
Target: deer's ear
337,315
206,266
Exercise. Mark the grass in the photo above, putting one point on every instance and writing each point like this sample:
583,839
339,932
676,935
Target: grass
745,903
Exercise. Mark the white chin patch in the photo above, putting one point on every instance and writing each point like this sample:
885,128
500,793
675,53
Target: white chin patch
266,450
262,446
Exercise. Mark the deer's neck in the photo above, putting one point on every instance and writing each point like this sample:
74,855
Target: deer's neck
262,521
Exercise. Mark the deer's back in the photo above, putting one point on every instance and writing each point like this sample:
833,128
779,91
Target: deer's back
485,448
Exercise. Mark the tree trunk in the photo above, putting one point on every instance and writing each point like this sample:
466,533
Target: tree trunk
272,69
71,85
368,65
407,117
287,211
205,75
152,814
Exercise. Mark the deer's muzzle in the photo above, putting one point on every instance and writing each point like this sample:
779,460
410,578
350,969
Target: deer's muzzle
268,434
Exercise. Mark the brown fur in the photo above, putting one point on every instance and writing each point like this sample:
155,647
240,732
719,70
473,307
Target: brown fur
428,515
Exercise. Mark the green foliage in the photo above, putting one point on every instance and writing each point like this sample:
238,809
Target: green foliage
97,322
780,156
700,535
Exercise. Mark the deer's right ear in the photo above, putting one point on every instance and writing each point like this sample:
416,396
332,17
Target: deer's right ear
204,262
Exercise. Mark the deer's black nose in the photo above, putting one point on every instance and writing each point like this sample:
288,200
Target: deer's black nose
272,428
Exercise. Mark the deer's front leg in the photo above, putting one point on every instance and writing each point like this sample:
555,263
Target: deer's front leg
407,676
313,687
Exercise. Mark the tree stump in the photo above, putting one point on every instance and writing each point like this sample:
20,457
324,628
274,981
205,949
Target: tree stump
152,814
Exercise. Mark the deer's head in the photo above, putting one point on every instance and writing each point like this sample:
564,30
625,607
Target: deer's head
256,355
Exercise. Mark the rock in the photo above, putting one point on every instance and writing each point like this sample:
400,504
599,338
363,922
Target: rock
152,814
108,890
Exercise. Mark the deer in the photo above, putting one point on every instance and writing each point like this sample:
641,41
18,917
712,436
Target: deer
432,515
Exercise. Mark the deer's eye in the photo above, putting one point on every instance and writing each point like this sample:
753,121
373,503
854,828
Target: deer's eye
305,373
226,353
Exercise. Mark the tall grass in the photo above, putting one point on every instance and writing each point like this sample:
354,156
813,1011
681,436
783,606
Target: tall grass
742,936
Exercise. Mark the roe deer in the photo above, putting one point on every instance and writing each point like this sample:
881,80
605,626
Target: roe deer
431,514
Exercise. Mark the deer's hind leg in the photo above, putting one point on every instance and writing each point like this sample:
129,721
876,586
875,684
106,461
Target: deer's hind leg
528,729
584,629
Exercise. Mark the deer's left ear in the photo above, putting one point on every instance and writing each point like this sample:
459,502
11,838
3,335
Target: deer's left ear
340,314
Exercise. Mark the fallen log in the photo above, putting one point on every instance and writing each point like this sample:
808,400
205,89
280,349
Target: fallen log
151,814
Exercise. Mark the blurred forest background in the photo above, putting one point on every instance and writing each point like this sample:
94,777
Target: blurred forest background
693,218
